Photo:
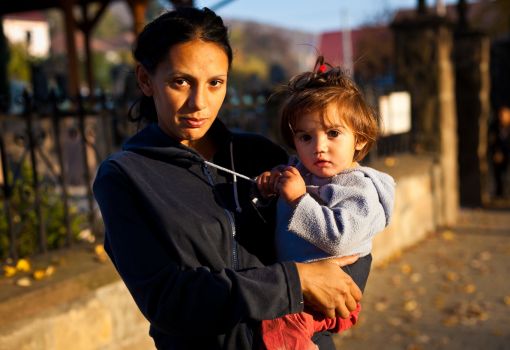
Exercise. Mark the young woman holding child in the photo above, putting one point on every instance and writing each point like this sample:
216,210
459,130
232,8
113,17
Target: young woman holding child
195,253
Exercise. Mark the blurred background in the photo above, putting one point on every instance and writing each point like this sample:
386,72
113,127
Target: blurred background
438,72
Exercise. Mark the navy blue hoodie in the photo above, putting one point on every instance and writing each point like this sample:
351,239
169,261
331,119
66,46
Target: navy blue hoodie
201,272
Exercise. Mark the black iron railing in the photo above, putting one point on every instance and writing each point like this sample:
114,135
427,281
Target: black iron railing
35,169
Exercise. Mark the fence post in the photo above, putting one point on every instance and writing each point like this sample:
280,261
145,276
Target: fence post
28,116
7,197
105,118
88,180
62,178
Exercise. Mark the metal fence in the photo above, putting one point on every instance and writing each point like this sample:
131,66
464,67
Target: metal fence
49,157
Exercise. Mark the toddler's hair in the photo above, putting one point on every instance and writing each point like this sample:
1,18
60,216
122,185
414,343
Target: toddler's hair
340,96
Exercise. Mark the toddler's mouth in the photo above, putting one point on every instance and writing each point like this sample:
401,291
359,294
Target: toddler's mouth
321,163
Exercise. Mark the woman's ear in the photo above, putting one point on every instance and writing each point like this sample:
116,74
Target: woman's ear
360,145
144,80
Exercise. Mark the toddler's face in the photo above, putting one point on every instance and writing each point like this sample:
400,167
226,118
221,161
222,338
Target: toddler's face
325,145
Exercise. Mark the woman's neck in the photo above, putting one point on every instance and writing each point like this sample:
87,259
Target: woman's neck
205,146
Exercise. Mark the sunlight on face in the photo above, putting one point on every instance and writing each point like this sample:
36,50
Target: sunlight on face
189,88
325,145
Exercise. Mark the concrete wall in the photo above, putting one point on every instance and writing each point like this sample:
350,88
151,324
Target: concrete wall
417,196
104,319
90,309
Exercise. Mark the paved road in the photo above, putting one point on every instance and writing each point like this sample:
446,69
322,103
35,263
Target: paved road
451,291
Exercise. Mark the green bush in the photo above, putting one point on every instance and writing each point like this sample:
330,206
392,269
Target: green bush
25,219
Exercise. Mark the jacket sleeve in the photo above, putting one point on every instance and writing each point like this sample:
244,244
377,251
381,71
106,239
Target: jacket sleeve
345,224
179,302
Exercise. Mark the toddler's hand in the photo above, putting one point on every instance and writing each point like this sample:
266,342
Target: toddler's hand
291,186
266,184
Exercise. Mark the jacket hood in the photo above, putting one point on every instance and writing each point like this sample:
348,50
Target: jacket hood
153,143
385,186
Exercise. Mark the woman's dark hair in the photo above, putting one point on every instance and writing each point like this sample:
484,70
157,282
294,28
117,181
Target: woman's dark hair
335,93
179,26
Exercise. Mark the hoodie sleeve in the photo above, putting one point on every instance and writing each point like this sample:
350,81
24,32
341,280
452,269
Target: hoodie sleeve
179,302
351,216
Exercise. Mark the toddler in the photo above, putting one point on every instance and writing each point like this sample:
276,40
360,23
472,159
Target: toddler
328,206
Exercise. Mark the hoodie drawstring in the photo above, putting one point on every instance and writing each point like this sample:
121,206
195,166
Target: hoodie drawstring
238,209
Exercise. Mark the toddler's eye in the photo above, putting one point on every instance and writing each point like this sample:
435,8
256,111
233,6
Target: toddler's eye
304,138
333,133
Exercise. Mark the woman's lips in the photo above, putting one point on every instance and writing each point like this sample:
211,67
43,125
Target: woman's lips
194,123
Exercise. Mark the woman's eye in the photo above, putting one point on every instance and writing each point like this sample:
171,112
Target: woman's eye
333,133
216,83
305,138
181,82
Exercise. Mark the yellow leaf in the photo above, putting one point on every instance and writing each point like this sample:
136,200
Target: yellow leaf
99,249
50,270
406,269
38,274
448,235
10,271
506,300
470,288
23,265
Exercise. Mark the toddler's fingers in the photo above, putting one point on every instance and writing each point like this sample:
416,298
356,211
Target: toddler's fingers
292,170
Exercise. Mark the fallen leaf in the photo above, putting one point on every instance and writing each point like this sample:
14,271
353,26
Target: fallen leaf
484,256
380,306
448,236
414,347
39,274
9,271
24,282
415,277
413,333
450,321
470,288
506,300
99,249
50,270
498,332
424,339
396,280
406,269
23,265
410,305
452,276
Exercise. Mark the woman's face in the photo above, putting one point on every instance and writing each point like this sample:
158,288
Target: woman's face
188,89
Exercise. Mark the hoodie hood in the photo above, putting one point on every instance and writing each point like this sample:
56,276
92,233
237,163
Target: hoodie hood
153,143
385,186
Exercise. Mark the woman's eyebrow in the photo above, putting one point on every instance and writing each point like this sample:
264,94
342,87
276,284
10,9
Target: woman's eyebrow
189,76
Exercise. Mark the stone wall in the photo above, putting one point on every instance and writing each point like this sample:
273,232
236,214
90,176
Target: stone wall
418,195
104,319
87,307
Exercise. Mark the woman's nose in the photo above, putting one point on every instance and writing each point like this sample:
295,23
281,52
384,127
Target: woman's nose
196,99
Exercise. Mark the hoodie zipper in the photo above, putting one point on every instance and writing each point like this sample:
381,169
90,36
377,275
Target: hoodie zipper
207,173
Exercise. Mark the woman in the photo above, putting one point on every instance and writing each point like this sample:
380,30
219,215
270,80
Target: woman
193,250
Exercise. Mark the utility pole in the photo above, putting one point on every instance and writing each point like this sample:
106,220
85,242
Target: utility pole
347,44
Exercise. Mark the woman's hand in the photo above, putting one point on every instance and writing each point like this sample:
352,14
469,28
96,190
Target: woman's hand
266,183
291,186
326,286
